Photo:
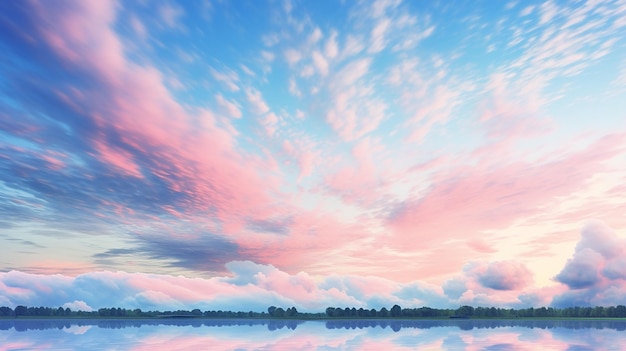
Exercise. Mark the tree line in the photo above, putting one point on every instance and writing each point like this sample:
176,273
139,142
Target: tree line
481,312
396,311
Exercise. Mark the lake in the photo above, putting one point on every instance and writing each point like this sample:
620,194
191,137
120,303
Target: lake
210,334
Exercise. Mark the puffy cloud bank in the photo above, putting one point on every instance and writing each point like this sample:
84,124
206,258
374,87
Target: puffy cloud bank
250,286
595,275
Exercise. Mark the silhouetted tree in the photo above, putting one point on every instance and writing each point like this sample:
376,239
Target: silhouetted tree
6,311
279,312
271,310
292,312
396,311
383,312
21,310
330,311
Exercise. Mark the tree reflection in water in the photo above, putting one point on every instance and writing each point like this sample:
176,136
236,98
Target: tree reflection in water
279,334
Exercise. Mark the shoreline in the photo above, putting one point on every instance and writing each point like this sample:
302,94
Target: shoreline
304,319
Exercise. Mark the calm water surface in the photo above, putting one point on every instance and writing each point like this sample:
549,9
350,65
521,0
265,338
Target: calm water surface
205,334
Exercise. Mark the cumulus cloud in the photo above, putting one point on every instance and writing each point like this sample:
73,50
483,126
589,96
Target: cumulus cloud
583,270
77,306
501,275
247,286
454,288
595,273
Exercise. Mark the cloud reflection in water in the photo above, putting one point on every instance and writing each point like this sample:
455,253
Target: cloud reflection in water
103,334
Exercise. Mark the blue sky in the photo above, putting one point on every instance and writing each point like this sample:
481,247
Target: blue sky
321,152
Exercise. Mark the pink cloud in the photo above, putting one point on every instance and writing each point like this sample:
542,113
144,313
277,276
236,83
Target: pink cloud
256,286
289,340
46,266
501,275
363,181
170,14
355,110
192,151
594,274
119,158
481,245
469,200
251,287
433,110
305,243
24,345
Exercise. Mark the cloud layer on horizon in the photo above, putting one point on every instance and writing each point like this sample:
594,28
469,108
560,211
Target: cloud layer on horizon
252,286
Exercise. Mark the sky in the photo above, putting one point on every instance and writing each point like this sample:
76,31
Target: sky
242,154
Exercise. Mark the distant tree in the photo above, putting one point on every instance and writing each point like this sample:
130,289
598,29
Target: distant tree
271,310
610,311
465,311
383,312
338,312
21,310
292,312
279,312
330,311
620,311
196,312
6,311
396,311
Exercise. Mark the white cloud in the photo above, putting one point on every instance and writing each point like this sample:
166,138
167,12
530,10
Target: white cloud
78,306
377,37
248,284
315,36
227,106
170,14
270,39
228,78
307,71
380,7
548,12
299,114
293,87
292,56
331,48
270,122
257,103
527,11
138,27
320,63
353,46
268,56
247,70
